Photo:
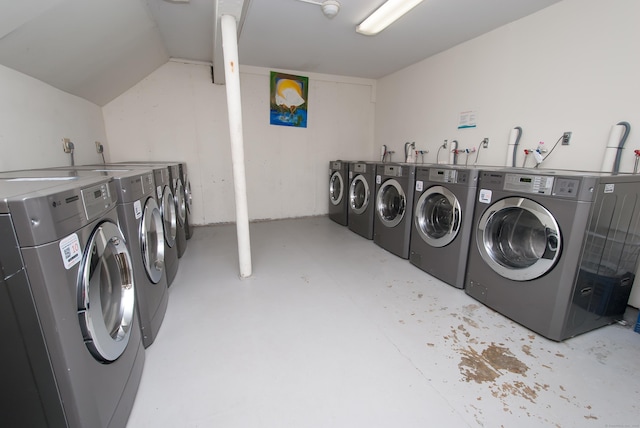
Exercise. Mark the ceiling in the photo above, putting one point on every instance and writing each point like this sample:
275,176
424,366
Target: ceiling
97,49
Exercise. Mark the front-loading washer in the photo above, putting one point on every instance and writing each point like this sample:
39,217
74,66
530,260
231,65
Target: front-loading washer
188,199
360,202
180,200
394,203
555,251
338,176
72,354
142,225
166,205
443,220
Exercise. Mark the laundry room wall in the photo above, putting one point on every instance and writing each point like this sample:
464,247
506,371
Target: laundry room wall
570,67
35,117
177,113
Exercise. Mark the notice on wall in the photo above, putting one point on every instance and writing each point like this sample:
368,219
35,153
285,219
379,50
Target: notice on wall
467,119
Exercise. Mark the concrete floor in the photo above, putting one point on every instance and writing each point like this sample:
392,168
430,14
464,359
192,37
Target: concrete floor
334,331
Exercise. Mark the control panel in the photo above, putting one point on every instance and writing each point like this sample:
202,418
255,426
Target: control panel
537,184
96,199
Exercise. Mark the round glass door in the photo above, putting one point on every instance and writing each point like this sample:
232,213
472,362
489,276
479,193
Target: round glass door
187,194
181,206
151,240
519,239
106,295
336,188
391,203
437,216
168,209
359,194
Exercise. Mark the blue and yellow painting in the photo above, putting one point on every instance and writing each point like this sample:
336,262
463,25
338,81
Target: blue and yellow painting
289,100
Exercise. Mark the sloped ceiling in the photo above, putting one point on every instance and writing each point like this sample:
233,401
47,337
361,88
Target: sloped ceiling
97,49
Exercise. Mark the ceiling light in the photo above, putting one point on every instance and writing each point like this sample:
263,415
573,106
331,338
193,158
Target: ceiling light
385,15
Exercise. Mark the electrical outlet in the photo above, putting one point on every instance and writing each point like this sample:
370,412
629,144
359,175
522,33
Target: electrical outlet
485,143
566,137
99,147
67,145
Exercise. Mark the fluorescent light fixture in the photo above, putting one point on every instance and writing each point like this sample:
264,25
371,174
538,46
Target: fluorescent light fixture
385,15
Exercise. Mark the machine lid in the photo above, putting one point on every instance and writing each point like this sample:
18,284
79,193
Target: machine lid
438,216
519,238
336,187
151,240
391,203
106,293
359,192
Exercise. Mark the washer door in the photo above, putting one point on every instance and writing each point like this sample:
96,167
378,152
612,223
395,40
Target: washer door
151,240
359,194
168,209
519,239
391,203
106,295
187,194
181,206
336,188
437,216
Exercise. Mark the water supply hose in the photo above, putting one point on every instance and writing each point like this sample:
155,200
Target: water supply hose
627,129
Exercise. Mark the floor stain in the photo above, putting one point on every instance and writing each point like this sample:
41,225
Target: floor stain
527,350
470,322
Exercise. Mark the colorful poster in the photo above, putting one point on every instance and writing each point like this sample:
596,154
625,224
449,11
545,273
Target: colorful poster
289,100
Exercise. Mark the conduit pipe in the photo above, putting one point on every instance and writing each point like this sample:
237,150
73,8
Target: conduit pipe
234,107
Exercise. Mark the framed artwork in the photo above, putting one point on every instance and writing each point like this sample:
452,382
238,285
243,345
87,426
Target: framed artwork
289,100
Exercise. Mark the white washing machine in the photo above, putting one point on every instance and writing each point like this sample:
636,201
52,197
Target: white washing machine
394,204
338,183
555,251
361,200
443,221
72,354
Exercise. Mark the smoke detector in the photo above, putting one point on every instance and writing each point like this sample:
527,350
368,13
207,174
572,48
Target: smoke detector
330,8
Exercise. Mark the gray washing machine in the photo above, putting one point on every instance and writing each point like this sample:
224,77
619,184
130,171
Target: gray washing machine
180,200
555,251
72,354
394,203
166,204
142,225
443,220
338,182
188,199
361,200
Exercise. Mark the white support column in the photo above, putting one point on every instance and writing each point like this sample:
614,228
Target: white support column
232,78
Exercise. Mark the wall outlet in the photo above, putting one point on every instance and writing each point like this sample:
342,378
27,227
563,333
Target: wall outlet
99,147
566,137
67,145
485,143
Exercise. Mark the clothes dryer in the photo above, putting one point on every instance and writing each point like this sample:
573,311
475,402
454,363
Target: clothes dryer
555,251
166,204
360,203
188,199
338,201
72,354
142,225
177,187
394,203
443,220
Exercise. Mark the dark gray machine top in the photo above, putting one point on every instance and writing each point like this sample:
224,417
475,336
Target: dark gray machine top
45,209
